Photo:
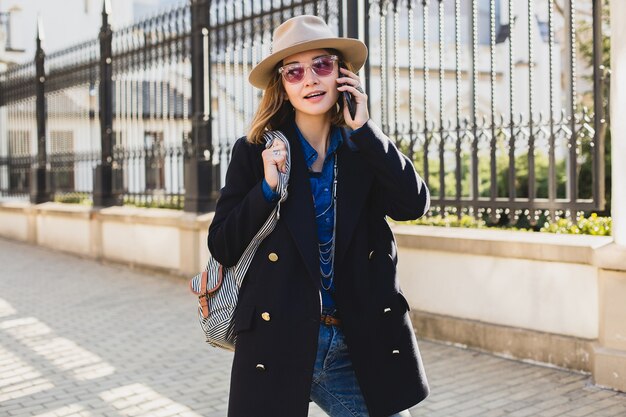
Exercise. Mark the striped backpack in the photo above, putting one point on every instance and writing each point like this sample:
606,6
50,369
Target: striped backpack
217,287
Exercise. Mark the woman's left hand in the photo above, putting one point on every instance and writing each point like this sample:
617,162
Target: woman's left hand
353,86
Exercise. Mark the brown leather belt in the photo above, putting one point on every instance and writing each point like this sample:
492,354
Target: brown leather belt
330,320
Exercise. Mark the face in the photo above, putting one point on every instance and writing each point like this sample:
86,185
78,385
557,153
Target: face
314,94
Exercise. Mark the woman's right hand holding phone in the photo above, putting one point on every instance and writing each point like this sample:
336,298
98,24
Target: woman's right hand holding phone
274,160
350,82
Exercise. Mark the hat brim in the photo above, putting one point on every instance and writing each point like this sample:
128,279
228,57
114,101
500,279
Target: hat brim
353,50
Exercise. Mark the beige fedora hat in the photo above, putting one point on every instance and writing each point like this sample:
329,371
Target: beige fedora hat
303,33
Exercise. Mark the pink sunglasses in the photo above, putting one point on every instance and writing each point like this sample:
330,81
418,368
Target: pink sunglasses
322,66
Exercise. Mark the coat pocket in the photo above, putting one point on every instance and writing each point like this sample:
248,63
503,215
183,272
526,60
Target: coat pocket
403,303
394,306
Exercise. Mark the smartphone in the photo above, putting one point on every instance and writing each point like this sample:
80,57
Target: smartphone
348,99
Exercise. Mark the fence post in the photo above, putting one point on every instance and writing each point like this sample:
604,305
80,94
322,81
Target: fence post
103,195
351,19
357,26
618,122
599,122
40,190
201,185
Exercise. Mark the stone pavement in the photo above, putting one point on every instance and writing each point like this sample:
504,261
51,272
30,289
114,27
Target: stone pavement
78,338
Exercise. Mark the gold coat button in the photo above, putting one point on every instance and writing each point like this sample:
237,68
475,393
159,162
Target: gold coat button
273,257
265,316
260,367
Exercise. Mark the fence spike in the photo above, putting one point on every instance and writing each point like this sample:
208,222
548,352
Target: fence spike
40,32
106,8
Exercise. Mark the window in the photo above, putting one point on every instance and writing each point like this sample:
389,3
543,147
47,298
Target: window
19,161
61,142
154,160
62,159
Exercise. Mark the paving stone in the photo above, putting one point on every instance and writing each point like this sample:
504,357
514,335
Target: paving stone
618,410
524,412
107,341
494,413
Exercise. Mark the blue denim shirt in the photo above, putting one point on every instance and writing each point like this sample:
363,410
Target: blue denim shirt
322,189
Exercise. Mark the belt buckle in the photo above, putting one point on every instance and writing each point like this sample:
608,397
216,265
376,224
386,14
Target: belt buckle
330,319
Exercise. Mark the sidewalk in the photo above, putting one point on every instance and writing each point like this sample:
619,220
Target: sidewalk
78,338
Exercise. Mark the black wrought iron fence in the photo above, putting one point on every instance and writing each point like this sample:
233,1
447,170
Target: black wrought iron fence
490,99
17,155
15,176
151,108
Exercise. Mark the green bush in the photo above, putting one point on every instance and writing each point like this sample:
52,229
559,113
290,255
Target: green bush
451,220
173,202
592,225
73,198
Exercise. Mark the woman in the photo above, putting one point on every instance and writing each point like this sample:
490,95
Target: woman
331,254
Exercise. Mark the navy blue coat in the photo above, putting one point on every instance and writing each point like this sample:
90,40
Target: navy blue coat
374,181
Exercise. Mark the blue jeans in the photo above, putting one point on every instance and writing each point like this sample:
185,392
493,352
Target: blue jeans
335,388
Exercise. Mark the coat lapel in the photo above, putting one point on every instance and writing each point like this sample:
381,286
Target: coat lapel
353,183
298,212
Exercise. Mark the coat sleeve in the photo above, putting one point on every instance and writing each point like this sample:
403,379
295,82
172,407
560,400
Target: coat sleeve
242,208
405,193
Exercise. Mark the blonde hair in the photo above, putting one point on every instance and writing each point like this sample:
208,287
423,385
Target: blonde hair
274,110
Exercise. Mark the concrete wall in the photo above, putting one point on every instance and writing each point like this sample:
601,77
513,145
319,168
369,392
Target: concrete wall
523,295
550,298
14,222
609,365
167,240
541,282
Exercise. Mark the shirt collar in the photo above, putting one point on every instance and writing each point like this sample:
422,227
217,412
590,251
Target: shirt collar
310,154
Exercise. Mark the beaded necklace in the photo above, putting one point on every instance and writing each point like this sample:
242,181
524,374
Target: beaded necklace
327,255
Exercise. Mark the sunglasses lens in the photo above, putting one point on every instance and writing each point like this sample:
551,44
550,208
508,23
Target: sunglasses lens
294,74
323,66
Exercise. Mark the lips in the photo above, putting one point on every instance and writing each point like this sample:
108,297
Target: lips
315,94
